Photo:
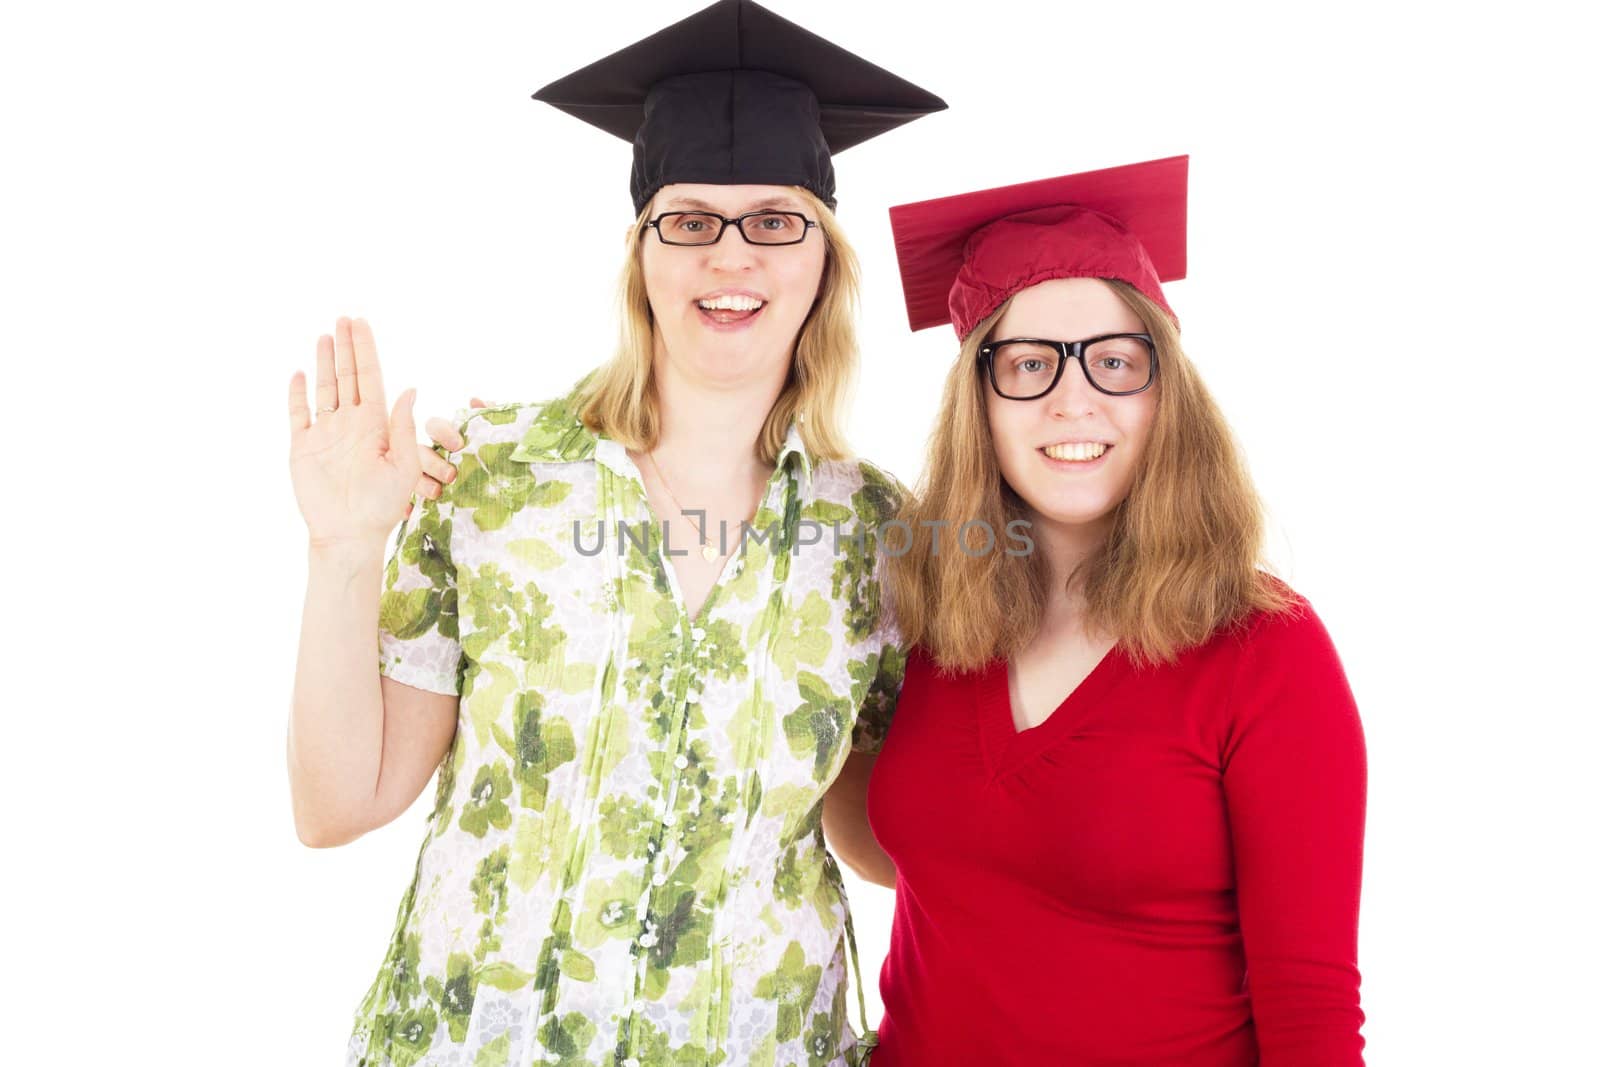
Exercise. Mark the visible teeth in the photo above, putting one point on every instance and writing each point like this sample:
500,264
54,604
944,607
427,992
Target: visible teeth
731,303
1079,452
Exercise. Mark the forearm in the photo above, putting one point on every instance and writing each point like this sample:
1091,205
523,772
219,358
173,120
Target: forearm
844,823
335,744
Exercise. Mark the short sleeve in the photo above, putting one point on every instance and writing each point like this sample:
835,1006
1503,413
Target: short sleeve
419,642
885,666
885,670
1295,777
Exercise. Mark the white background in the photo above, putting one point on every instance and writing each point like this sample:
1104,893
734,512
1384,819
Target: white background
1392,233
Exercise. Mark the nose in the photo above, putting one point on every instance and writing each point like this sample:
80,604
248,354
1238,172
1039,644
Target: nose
732,253
1073,396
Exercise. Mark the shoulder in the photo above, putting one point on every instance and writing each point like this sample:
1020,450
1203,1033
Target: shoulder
869,490
541,431
1288,657
1293,630
491,425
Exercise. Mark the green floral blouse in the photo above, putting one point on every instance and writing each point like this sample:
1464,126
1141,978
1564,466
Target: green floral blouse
625,862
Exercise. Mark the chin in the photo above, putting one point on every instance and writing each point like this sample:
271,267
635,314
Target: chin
1077,512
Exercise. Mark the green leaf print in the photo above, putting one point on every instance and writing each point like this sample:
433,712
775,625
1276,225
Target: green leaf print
822,1043
721,651
577,966
532,639
793,985
539,747
490,603
502,975
875,689
405,982
625,827
488,804
536,553
485,697
500,416
456,994
676,935
496,1053
804,636
412,1036
489,883
816,728
653,1047
610,911
444,794
408,614
568,1037
794,878
556,431
492,485
539,844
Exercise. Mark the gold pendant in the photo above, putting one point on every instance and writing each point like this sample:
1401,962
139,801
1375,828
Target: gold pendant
708,552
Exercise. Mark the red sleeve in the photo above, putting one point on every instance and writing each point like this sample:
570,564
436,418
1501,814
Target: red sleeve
1295,780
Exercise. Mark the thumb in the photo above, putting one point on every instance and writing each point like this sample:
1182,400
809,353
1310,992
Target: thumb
403,431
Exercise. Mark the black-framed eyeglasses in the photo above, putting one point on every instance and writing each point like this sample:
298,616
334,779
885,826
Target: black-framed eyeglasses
707,228
1026,368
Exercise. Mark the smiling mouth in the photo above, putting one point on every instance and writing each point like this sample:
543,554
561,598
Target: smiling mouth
730,308
1081,452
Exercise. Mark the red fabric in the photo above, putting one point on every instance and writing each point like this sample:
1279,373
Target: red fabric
962,256
1165,871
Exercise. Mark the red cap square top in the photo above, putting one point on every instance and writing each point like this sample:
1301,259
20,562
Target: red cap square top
962,256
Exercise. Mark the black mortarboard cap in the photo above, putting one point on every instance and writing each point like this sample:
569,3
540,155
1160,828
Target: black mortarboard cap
735,95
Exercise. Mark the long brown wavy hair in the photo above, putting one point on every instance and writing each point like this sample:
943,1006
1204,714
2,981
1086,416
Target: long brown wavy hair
619,399
1183,558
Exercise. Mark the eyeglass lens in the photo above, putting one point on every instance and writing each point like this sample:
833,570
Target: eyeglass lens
762,228
1025,369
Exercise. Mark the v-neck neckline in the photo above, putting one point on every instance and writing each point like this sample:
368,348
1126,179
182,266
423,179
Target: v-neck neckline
1004,746
732,566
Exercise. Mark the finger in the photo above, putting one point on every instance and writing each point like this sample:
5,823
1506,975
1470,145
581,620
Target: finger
344,364
480,403
444,433
435,466
403,434
299,413
369,377
428,488
327,392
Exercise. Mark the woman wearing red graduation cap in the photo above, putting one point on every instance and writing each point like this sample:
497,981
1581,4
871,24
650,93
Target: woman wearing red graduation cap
636,669
1125,786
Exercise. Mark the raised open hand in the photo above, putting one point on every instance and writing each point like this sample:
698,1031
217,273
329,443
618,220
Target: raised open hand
355,465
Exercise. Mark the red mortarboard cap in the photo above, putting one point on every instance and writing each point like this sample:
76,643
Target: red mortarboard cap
962,256
736,95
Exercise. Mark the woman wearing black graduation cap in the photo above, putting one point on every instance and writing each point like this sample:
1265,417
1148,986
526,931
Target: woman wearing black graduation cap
635,721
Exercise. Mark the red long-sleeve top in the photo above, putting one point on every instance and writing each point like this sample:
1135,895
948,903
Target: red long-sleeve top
1167,870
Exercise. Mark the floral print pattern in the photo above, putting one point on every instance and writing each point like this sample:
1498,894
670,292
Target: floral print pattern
625,863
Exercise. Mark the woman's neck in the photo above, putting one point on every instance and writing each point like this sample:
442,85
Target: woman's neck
709,430
1065,547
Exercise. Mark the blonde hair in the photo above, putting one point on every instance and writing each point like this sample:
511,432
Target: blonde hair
1182,560
619,398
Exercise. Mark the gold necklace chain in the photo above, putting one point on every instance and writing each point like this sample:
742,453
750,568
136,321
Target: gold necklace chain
707,550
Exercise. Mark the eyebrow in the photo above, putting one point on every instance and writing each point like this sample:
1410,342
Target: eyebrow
772,202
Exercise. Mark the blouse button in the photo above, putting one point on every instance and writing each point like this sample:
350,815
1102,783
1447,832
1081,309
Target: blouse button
698,633
681,762
669,819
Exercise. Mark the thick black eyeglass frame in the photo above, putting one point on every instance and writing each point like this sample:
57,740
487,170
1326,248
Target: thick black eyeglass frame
655,224
1068,350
